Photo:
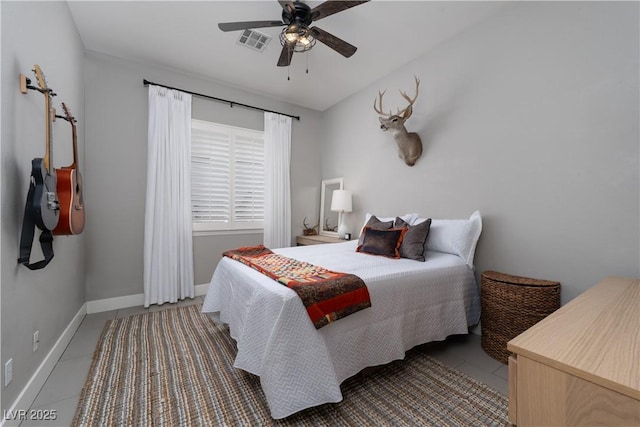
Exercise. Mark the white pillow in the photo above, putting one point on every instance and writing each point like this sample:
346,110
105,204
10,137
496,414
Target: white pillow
408,218
454,236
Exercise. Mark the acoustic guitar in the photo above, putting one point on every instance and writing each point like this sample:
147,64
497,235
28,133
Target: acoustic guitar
70,188
45,207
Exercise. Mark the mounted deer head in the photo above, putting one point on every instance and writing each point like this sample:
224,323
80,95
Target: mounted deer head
409,143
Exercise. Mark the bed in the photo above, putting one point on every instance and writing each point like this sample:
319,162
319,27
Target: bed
411,303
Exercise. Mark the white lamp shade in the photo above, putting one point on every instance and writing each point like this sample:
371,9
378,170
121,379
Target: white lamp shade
341,201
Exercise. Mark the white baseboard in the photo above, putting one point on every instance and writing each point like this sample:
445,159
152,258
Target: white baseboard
116,303
202,289
107,304
28,395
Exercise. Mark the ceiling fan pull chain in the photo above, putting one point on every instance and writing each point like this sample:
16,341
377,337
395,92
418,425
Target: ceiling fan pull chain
307,55
289,65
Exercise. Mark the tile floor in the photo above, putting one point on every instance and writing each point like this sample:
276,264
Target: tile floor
62,389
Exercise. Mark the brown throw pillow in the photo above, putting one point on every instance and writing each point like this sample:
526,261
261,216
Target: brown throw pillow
376,224
413,243
382,242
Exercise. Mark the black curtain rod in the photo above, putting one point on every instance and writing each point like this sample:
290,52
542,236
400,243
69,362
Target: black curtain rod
231,103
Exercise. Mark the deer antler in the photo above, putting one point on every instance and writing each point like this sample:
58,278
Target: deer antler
379,111
406,113
328,227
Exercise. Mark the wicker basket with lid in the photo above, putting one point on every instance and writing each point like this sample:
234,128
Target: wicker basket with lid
510,306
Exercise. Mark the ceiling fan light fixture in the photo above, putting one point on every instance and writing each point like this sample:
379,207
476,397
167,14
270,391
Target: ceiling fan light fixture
297,37
291,34
305,40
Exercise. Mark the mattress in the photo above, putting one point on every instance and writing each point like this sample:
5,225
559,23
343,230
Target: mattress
300,367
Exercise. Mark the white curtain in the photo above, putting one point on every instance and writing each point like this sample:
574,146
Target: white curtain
277,194
168,251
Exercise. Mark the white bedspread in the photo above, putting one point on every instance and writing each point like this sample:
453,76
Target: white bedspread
301,367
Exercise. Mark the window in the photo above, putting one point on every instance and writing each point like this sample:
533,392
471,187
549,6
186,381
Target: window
227,177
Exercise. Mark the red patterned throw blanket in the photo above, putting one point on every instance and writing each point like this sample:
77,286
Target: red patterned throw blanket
327,295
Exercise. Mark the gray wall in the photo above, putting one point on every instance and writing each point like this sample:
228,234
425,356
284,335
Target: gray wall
531,117
44,300
116,110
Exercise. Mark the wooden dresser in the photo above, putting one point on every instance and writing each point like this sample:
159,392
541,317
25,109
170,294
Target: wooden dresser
580,365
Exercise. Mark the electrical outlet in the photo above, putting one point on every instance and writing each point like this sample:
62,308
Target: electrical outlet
36,340
8,372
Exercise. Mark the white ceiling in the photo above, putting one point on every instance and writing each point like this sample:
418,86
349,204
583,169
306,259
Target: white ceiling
183,35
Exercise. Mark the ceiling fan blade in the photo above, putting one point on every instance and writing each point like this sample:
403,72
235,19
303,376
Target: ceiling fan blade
342,47
235,26
287,6
286,55
330,7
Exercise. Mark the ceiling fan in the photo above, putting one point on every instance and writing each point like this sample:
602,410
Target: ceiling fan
298,36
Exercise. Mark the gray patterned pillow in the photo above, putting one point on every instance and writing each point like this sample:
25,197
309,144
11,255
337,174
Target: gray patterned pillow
376,224
413,243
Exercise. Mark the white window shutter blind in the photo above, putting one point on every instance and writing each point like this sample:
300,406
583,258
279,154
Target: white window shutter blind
248,204
227,177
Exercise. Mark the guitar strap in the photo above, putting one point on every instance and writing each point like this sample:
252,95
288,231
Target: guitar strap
26,237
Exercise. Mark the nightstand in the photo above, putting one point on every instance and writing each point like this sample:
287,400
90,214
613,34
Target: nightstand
317,240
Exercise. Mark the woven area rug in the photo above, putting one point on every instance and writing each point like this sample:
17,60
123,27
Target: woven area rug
175,368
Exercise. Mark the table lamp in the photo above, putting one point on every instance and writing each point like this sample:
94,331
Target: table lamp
341,202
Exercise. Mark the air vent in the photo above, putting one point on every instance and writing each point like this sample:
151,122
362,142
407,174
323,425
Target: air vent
254,39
